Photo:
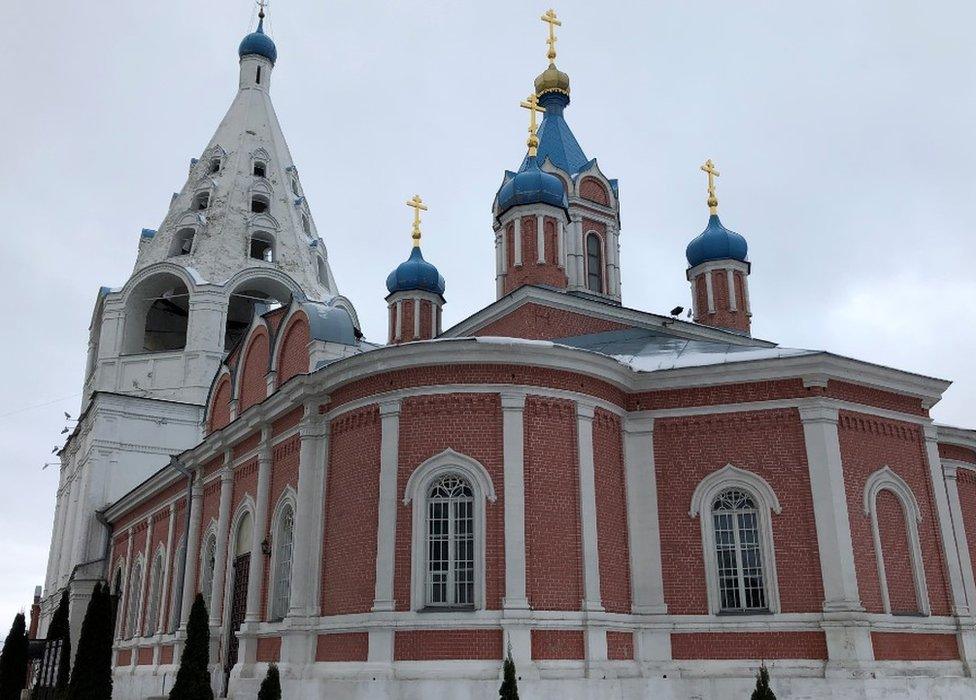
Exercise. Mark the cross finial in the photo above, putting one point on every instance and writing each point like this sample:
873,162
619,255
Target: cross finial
531,103
553,22
709,168
261,5
417,204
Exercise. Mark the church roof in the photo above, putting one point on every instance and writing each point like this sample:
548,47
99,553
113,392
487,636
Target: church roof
556,139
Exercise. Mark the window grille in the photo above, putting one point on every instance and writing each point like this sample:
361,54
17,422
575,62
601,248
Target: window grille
283,558
741,582
450,543
594,263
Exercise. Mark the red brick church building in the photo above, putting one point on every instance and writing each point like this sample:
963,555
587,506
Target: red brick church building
633,504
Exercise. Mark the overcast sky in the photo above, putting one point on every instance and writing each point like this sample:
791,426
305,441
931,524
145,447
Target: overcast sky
843,131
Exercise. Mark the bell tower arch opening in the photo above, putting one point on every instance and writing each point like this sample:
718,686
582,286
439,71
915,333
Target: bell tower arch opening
157,312
257,295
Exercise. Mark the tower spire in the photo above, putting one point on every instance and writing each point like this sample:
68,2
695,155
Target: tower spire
709,168
531,103
417,204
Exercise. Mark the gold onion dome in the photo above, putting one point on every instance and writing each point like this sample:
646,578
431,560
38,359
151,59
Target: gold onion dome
552,80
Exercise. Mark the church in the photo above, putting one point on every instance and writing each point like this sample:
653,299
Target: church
631,504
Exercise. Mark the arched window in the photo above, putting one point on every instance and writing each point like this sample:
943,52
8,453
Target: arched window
262,246
594,263
294,187
155,596
735,508
215,165
284,538
738,554
259,203
182,243
116,598
450,543
306,225
176,582
207,561
134,601
260,169
323,274
201,201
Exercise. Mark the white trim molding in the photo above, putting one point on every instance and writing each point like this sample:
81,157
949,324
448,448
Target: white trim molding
885,479
442,464
705,493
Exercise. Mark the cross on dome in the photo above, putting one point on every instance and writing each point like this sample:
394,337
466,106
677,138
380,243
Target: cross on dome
417,204
550,18
532,104
709,169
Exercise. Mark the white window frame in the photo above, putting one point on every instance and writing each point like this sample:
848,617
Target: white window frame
202,568
134,591
766,502
885,479
155,591
287,500
415,492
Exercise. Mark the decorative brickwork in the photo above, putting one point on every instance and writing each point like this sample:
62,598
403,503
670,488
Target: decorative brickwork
592,189
293,356
538,322
220,406
252,375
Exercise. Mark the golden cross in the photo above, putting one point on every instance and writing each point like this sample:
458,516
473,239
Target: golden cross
417,204
531,103
550,19
709,168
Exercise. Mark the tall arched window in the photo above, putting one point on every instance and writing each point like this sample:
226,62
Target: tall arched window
116,598
450,543
155,595
134,601
594,263
738,552
176,581
284,538
208,559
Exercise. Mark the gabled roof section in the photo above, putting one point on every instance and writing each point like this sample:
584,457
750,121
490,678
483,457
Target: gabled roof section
546,314
558,144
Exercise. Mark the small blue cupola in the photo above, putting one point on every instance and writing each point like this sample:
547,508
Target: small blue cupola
258,43
716,243
415,274
531,185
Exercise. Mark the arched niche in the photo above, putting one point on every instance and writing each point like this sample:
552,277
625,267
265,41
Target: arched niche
156,315
256,295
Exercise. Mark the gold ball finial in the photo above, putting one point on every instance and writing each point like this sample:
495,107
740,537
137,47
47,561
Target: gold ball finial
552,79
712,201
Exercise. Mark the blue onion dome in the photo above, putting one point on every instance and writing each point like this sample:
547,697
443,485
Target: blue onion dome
531,185
257,42
716,243
414,274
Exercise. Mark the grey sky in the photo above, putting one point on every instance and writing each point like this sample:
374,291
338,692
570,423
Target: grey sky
843,131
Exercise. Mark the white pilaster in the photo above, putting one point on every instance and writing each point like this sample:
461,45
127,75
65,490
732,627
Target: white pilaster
398,330
192,549
518,241
561,244
730,277
513,455
595,637
499,262
255,574
416,318
220,553
647,580
386,520
540,237
167,568
709,292
967,633
848,637
146,574
308,508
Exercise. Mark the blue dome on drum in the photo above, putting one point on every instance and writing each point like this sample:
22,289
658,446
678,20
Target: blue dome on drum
258,43
531,186
716,243
414,274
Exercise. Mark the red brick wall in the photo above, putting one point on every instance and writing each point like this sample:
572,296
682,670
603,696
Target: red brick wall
906,646
254,371
875,397
220,408
342,646
768,443
611,509
538,322
724,316
293,357
268,648
620,646
867,444
248,444
144,656
593,190
966,483
749,645
287,422
166,654
718,394
531,271
552,510
897,560
471,425
956,452
557,644
123,657
437,645
349,553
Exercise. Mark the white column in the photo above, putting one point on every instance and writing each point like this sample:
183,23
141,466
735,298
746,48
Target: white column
223,531
416,317
513,455
255,572
730,281
398,329
192,548
518,241
647,580
499,264
957,589
848,639
961,536
561,244
386,519
308,509
595,637
580,250
540,239
709,291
